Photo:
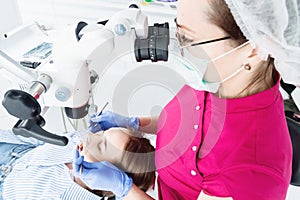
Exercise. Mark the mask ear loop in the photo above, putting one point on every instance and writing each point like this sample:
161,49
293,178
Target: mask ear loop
244,66
229,52
232,75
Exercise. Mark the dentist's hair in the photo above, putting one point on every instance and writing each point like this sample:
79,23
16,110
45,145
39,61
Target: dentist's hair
220,15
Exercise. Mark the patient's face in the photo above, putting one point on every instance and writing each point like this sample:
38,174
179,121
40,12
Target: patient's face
105,145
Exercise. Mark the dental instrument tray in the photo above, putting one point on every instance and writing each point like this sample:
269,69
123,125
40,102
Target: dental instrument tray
34,57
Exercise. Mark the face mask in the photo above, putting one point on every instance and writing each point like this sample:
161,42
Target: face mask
214,86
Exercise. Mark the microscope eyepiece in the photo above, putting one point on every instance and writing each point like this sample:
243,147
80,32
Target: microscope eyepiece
155,46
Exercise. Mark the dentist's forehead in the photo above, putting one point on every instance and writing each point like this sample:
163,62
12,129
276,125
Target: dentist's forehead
191,13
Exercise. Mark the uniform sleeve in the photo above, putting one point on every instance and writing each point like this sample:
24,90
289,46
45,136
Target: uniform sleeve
248,183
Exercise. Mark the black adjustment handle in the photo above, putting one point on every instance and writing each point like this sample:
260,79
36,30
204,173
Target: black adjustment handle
21,104
32,128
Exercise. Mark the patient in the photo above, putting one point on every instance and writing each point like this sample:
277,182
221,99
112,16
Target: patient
44,171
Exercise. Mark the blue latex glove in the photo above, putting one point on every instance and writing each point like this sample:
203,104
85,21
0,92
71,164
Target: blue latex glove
110,119
102,176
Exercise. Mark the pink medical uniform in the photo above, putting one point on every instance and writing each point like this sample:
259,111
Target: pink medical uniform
237,148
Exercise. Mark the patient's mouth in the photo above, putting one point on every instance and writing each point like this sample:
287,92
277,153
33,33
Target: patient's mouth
80,147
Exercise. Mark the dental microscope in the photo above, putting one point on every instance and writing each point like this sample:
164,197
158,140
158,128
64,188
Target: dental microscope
66,79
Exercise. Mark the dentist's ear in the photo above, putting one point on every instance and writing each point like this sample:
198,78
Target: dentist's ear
254,52
253,60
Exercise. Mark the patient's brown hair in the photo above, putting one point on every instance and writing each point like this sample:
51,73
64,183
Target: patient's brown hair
137,161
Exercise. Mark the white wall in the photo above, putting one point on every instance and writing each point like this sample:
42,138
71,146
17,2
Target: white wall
57,13
9,15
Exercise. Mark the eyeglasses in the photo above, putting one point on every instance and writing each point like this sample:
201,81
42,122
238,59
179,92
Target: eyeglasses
182,39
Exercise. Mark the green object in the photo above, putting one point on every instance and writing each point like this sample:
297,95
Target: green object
148,0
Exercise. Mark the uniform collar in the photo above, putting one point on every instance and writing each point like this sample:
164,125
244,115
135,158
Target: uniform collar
249,103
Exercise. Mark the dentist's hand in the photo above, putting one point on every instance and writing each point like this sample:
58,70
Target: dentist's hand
102,176
109,119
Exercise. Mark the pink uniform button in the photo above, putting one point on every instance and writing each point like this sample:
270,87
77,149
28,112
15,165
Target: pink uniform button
193,173
194,148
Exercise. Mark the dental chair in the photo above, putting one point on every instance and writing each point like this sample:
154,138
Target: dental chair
294,129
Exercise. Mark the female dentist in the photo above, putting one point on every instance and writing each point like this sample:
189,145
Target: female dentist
233,142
